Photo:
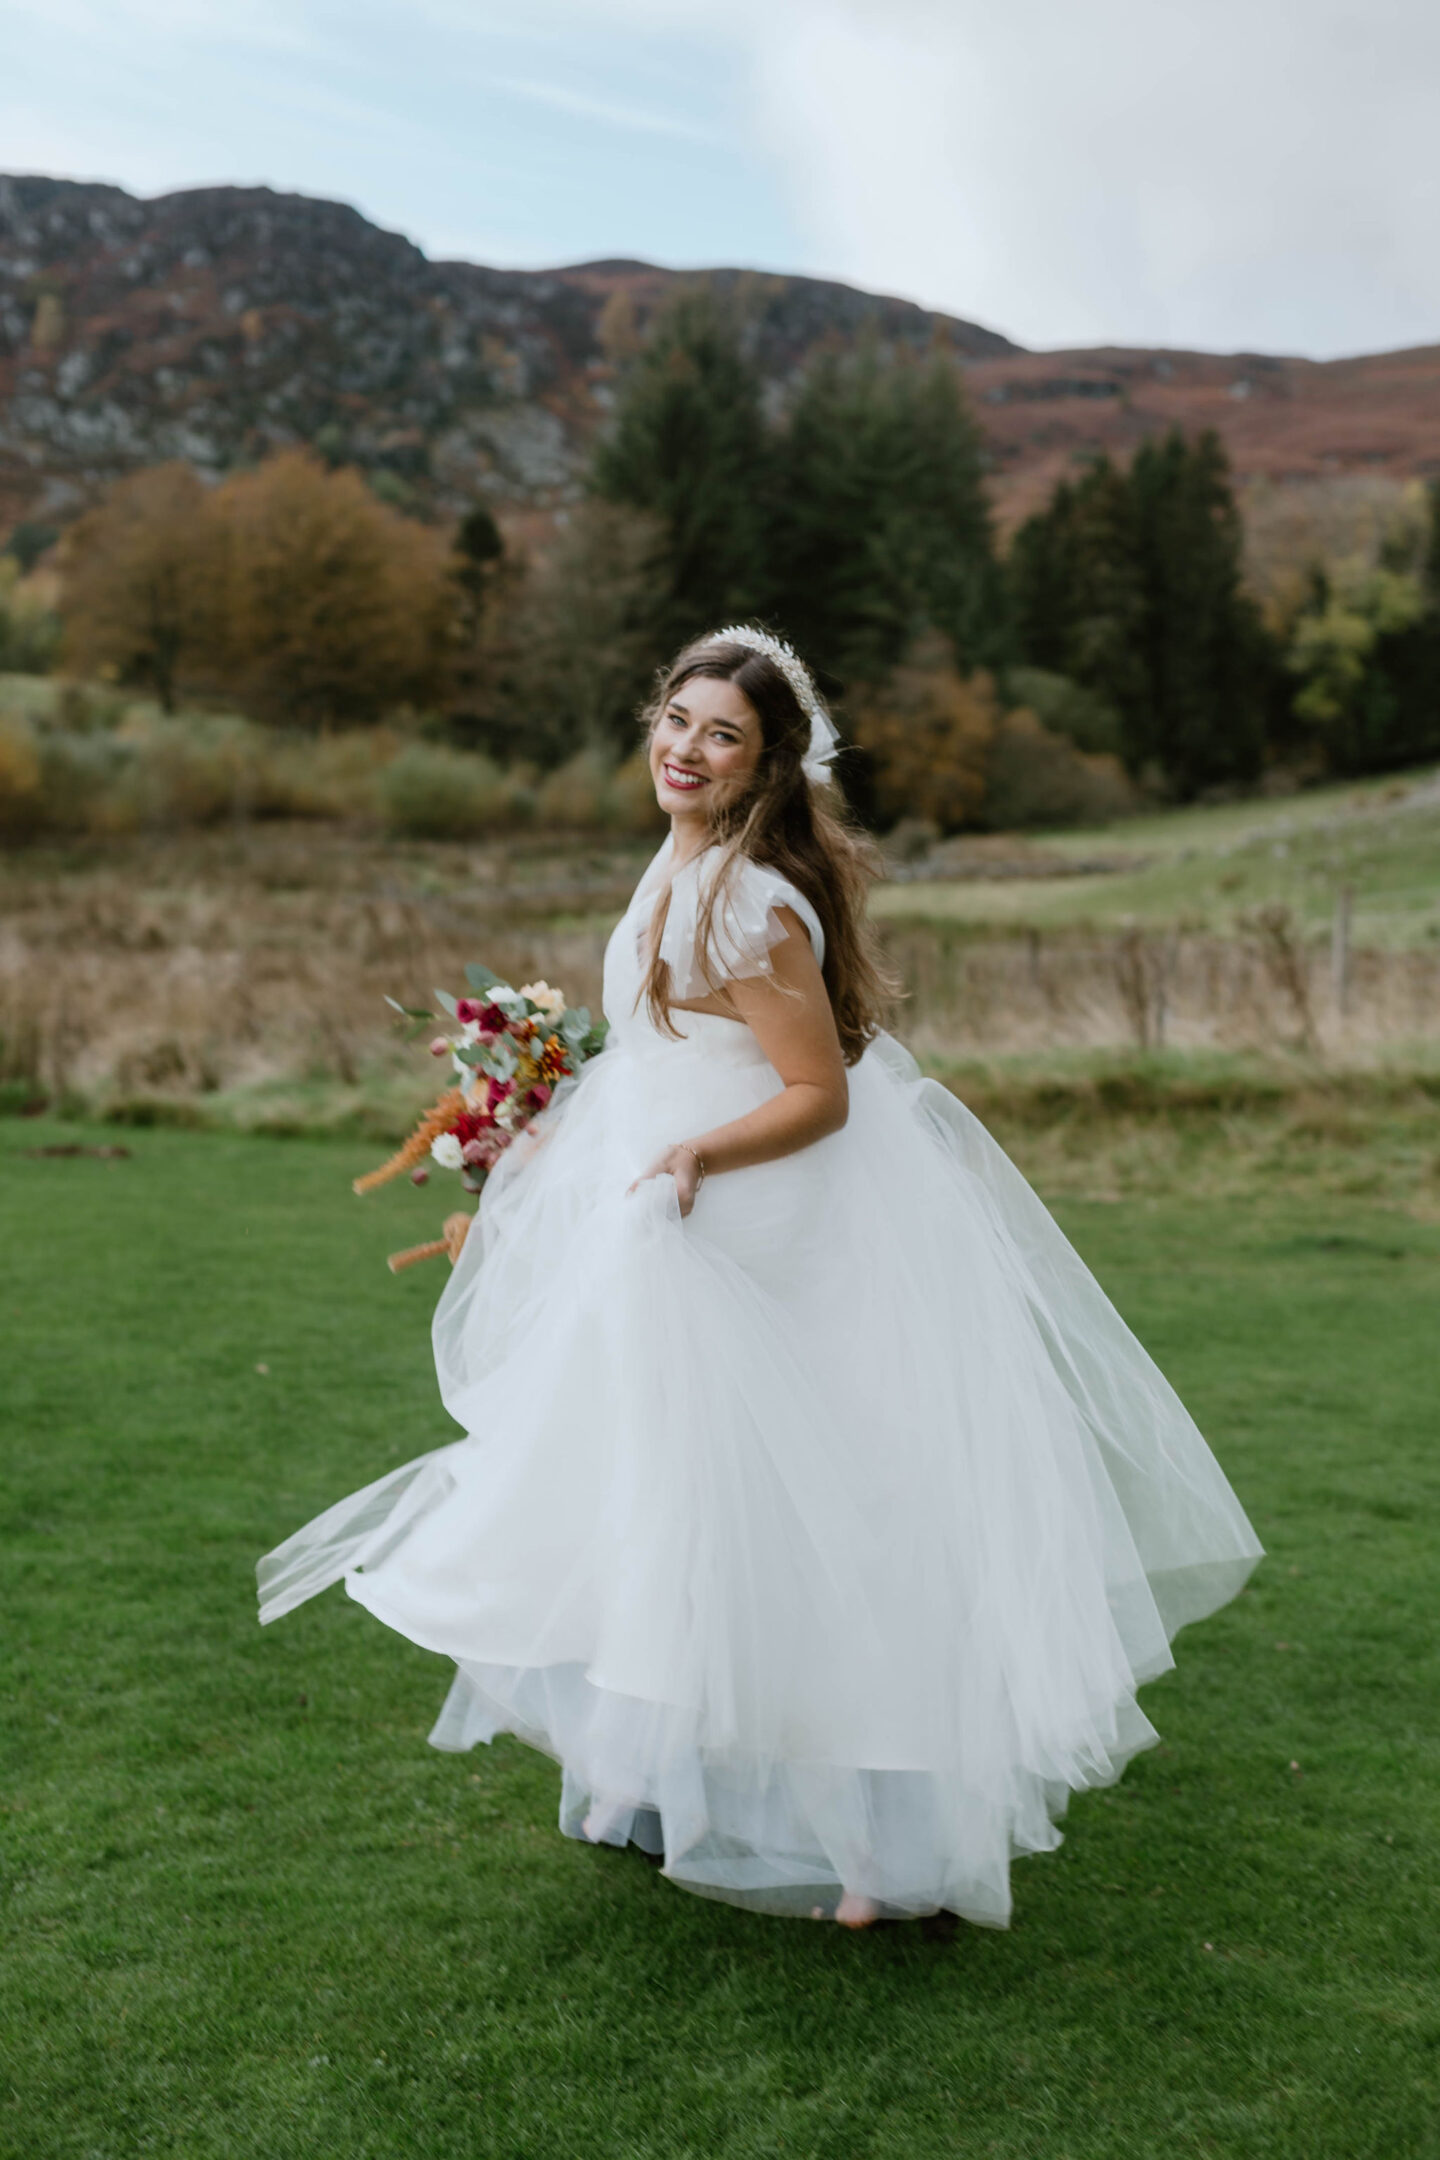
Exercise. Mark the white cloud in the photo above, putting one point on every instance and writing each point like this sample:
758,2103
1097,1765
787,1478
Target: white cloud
1228,174
1221,173
1256,174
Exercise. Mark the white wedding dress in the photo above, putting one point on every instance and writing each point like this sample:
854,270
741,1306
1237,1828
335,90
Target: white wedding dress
824,1537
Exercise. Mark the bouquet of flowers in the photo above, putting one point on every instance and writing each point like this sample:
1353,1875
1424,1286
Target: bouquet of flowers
510,1051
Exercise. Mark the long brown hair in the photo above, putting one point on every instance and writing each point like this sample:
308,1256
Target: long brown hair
789,824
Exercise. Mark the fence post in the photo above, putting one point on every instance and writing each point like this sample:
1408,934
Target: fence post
1340,949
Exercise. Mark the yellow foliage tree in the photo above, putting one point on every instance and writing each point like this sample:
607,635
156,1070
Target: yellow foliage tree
141,595
289,588
338,608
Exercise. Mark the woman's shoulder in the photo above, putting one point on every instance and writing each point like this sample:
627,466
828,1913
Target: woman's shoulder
745,921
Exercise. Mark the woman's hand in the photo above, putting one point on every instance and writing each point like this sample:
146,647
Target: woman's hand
681,1163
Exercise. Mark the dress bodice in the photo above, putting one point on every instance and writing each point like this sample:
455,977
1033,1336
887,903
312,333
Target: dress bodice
744,927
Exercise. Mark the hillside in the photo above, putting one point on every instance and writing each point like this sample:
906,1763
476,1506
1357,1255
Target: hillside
218,323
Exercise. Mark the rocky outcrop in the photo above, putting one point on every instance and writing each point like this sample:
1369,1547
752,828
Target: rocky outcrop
221,323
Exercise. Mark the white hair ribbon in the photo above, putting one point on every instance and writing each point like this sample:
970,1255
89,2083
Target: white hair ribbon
824,736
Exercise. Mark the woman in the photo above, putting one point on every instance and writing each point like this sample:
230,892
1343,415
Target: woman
817,1512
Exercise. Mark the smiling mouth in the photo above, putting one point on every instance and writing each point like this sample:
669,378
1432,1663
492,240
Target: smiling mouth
686,782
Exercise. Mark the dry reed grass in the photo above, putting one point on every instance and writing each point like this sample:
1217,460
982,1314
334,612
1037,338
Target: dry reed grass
252,966
240,974
1267,988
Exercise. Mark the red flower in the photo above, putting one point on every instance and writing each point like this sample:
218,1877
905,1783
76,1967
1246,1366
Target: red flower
490,1019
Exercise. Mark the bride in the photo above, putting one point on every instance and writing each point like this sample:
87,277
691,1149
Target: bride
816,1511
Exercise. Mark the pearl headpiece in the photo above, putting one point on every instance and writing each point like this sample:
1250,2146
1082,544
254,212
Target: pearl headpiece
824,736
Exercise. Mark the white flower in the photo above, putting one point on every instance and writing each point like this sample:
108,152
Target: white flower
445,1150
551,1002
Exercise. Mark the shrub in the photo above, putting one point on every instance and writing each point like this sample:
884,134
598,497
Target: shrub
927,730
430,793
632,798
1066,708
20,775
1035,777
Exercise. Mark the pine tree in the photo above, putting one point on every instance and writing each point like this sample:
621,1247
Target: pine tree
1130,584
882,526
1204,647
1431,570
1077,602
1041,580
689,446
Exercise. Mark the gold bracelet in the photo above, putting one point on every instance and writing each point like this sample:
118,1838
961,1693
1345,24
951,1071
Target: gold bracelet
686,1149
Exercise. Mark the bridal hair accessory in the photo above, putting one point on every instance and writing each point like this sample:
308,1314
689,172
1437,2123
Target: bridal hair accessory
824,736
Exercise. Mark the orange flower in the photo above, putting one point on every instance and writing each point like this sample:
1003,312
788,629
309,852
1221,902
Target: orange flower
554,1059
413,1150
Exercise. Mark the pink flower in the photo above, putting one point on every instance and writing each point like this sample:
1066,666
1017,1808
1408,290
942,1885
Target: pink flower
485,1149
439,1045
540,1094
467,1009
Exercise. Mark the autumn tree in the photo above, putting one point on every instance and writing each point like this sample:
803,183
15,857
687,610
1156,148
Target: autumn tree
338,608
143,578
925,732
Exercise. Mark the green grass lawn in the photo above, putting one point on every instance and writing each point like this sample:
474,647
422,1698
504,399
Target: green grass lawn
1209,867
251,1913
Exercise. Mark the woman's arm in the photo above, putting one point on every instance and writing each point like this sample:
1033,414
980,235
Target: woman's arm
789,1014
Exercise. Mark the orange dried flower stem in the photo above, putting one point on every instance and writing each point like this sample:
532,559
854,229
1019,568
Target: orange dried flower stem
412,1253
417,1147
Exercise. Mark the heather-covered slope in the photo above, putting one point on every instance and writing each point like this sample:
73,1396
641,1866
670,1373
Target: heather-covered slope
218,323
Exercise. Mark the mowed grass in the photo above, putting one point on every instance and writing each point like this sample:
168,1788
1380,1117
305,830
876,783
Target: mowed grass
251,1913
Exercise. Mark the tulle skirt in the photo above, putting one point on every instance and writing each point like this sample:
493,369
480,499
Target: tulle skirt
825,1537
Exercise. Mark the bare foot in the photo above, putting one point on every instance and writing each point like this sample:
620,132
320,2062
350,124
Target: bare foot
856,1912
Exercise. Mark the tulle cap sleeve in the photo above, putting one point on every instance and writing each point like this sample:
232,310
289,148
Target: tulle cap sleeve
745,925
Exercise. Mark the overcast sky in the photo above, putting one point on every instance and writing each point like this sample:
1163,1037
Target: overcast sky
1226,174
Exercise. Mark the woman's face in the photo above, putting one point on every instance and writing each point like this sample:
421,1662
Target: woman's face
705,747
